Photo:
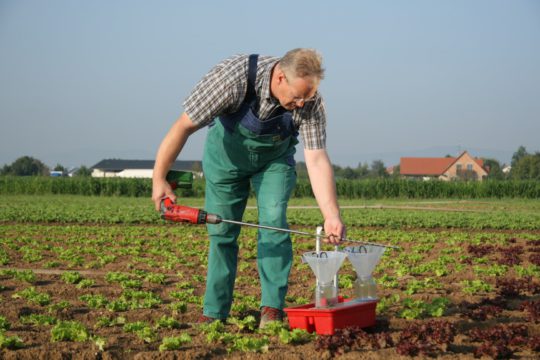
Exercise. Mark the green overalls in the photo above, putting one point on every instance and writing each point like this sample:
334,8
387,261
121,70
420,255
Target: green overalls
241,149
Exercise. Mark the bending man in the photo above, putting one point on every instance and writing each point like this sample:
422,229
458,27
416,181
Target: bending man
255,107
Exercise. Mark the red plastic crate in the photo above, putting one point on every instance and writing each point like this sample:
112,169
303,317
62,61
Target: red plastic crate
326,321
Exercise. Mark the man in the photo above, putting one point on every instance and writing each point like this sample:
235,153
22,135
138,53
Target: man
255,107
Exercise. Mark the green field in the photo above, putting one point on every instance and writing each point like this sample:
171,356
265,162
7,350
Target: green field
475,214
107,276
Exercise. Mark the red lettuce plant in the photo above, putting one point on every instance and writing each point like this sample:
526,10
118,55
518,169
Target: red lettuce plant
497,341
352,338
533,310
426,338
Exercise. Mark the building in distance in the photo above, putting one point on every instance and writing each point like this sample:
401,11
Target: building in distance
140,168
463,167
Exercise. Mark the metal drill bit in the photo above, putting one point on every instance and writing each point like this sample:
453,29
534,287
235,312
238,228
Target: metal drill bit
306,233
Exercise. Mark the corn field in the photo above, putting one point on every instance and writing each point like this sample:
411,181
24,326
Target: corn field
347,189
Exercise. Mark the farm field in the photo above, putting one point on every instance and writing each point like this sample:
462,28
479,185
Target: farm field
105,277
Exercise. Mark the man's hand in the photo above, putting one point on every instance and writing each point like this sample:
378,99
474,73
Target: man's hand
323,185
161,189
334,230
168,151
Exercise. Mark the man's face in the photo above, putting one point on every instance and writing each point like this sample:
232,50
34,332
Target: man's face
294,92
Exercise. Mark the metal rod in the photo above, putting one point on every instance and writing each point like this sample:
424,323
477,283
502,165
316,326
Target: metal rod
305,233
336,279
318,234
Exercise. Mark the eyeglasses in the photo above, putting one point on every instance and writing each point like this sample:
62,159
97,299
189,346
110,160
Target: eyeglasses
299,99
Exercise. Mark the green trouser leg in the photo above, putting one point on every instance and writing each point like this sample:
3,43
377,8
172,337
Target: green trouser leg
231,161
229,201
273,187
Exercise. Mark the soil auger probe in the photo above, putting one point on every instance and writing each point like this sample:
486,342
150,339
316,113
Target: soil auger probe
186,214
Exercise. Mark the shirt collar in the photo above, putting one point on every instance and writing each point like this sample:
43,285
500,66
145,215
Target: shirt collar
265,83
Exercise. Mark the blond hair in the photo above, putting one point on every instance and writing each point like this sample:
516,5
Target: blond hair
302,63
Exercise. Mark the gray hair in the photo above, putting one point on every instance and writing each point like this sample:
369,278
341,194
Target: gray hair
302,63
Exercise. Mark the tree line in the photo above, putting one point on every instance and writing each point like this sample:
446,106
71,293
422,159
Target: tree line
29,166
524,166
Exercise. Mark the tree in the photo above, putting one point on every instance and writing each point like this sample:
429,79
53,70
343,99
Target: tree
26,166
83,171
6,170
349,173
493,168
59,167
338,171
518,155
301,170
362,170
378,170
527,168
397,171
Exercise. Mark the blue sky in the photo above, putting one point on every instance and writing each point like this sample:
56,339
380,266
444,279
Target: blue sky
85,80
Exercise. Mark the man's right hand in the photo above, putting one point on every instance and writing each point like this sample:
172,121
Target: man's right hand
168,151
161,189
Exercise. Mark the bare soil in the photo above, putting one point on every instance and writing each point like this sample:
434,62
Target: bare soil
122,345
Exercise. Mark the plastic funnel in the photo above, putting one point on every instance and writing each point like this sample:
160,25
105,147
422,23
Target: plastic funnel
325,264
364,258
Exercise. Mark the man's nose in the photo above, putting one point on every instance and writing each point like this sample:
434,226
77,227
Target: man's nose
299,103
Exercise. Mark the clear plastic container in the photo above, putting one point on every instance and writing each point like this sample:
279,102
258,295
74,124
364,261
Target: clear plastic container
365,288
326,295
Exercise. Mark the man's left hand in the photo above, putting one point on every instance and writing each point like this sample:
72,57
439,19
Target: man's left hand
334,230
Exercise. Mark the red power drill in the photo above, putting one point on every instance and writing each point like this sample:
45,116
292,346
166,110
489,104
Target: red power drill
180,213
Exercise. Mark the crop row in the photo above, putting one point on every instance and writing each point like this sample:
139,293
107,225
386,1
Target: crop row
115,249
110,210
352,189
146,283
69,273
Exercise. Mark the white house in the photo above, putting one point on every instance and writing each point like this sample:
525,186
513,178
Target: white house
139,168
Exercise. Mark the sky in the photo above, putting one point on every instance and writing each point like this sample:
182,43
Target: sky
82,81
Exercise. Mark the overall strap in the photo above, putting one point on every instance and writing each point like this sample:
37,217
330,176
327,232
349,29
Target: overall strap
252,76
281,123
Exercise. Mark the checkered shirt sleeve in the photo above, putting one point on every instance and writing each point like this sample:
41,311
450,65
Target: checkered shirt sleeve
311,124
220,91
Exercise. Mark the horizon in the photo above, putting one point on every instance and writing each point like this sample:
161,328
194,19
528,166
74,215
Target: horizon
423,153
401,78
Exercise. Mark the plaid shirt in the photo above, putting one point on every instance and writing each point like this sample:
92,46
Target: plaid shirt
223,90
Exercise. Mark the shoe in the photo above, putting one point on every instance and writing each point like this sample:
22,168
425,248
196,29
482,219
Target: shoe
268,315
207,320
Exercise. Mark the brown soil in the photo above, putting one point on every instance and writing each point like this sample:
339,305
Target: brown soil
122,345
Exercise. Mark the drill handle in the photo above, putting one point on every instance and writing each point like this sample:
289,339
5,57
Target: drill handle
165,203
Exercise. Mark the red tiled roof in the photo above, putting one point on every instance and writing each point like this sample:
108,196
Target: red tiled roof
424,166
429,166
479,162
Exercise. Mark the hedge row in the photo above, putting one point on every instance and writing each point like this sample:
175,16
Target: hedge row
350,189
414,189
42,185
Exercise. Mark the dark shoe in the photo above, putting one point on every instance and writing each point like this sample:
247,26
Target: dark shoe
269,315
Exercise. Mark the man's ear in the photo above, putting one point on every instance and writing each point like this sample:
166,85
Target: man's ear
280,75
